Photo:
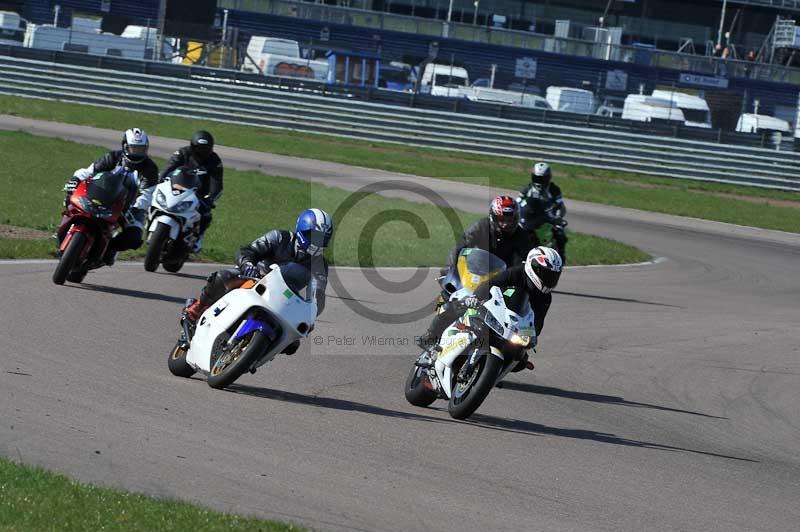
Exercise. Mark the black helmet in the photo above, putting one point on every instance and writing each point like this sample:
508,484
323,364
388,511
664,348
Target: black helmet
541,174
202,145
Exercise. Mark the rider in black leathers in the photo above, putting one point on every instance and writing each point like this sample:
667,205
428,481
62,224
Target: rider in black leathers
201,157
304,246
541,202
537,276
499,233
133,160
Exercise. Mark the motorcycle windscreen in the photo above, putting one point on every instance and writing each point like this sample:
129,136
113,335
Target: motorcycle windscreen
185,181
298,278
106,189
476,266
516,300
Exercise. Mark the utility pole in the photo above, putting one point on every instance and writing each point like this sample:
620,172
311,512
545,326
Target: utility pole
162,20
721,21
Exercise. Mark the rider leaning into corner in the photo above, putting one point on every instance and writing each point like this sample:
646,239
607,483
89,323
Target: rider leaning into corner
200,156
132,160
305,245
499,234
538,275
541,202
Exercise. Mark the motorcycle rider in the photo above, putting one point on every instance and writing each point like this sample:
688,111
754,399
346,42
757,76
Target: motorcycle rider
200,156
305,245
541,203
499,233
132,160
537,276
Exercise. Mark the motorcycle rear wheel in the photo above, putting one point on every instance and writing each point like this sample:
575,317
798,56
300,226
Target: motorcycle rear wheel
177,362
69,258
466,398
156,247
236,359
416,392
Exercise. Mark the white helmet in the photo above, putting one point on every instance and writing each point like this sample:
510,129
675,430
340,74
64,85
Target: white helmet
135,145
543,267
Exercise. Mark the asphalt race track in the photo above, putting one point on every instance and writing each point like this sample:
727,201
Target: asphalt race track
665,396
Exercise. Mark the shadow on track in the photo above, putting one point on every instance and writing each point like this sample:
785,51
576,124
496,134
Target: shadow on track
593,397
526,427
619,299
129,292
328,402
184,275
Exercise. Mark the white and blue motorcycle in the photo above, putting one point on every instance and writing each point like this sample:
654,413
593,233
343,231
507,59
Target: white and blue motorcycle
174,221
247,327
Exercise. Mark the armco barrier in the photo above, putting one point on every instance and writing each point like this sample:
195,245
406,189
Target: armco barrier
311,110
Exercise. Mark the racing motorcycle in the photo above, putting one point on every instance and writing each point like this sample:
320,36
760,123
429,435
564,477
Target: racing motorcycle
548,230
475,354
91,216
479,349
174,222
472,267
247,327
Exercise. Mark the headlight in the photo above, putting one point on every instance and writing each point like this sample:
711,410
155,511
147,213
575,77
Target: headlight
494,324
520,340
161,199
182,206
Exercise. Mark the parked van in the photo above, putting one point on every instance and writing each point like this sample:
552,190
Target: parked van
49,37
506,97
645,108
281,57
695,109
444,80
11,28
571,100
753,123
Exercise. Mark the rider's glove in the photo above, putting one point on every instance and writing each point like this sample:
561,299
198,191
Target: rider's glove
248,269
71,185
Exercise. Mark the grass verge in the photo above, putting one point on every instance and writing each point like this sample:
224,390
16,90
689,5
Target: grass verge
752,206
378,231
34,499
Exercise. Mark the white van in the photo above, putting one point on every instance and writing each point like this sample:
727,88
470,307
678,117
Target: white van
571,100
281,57
753,123
695,109
49,37
643,108
444,80
10,28
506,97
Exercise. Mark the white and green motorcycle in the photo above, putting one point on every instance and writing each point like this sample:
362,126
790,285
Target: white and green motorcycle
475,354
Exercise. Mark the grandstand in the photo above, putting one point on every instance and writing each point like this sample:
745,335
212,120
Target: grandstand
389,30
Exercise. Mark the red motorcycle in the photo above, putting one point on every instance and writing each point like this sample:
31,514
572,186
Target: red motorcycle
91,215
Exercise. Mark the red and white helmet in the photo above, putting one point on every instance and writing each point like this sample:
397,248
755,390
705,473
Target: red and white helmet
504,214
543,267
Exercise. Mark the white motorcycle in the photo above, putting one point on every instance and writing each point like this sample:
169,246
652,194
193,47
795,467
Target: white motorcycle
174,222
247,327
476,352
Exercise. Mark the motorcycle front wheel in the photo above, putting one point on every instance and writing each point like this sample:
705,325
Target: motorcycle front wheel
237,359
156,247
471,390
69,258
177,362
417,391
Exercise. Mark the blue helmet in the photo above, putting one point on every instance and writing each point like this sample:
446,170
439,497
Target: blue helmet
314,231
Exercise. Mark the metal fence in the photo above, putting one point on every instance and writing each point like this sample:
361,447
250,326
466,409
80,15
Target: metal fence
313,110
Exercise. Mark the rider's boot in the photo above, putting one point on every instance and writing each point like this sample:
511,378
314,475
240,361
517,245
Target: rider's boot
109,257
194,310
198,245
429,343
